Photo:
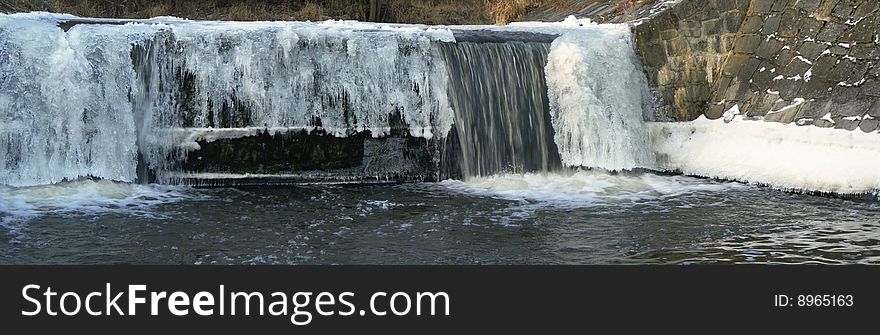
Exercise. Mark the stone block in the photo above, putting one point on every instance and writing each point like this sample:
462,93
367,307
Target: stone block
868,51
843,95
790,23
849,71
720,88
811,50
875,109
816,88
825,8
831,31
866,8
671,33
822,123
814,109
810,27
843,10
732,21
752,25
784,56
823,67
714,111
871,88
847,123
769,48
654,55
771,25
712,27
749,68
697,93
869,125
762,79
838,50
808,5
787,88
761,6
855,107
692,28
782,112
762,102
796,67
780,5
673,46
863,32
735,64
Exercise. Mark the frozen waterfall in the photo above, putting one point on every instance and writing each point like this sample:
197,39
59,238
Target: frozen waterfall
122,100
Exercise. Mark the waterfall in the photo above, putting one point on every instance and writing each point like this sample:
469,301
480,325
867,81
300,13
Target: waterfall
499,97
599,100
130,100
64,103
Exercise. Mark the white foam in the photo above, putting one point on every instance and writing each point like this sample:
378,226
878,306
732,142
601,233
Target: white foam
18,204
585,188
784,156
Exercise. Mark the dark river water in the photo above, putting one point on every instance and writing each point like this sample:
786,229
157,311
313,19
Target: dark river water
576,218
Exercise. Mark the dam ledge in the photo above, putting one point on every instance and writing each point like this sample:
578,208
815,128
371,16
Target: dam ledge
813,160
747,149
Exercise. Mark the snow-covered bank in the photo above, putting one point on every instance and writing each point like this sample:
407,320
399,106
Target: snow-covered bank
784,156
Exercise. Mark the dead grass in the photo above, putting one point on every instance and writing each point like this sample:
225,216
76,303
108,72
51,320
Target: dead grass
506,11
403,11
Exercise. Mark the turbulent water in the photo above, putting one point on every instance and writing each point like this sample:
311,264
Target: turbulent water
568,218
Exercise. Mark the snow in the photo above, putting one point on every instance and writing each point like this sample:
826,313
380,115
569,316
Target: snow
731,113
827,117
794,104
802,59
785,156
598,99
855,84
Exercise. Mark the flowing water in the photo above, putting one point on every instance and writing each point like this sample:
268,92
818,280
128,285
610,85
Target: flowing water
566,218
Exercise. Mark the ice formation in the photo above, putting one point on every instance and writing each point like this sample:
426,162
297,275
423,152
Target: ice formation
127,100
599,99
96,99
64,102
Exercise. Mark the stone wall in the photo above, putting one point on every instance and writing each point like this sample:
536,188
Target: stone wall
811,62
683,49
806,61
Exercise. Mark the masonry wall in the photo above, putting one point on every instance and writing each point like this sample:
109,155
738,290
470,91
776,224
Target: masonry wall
683,49
812,62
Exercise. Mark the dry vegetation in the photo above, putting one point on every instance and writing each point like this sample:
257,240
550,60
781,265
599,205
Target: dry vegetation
505,11
403,11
